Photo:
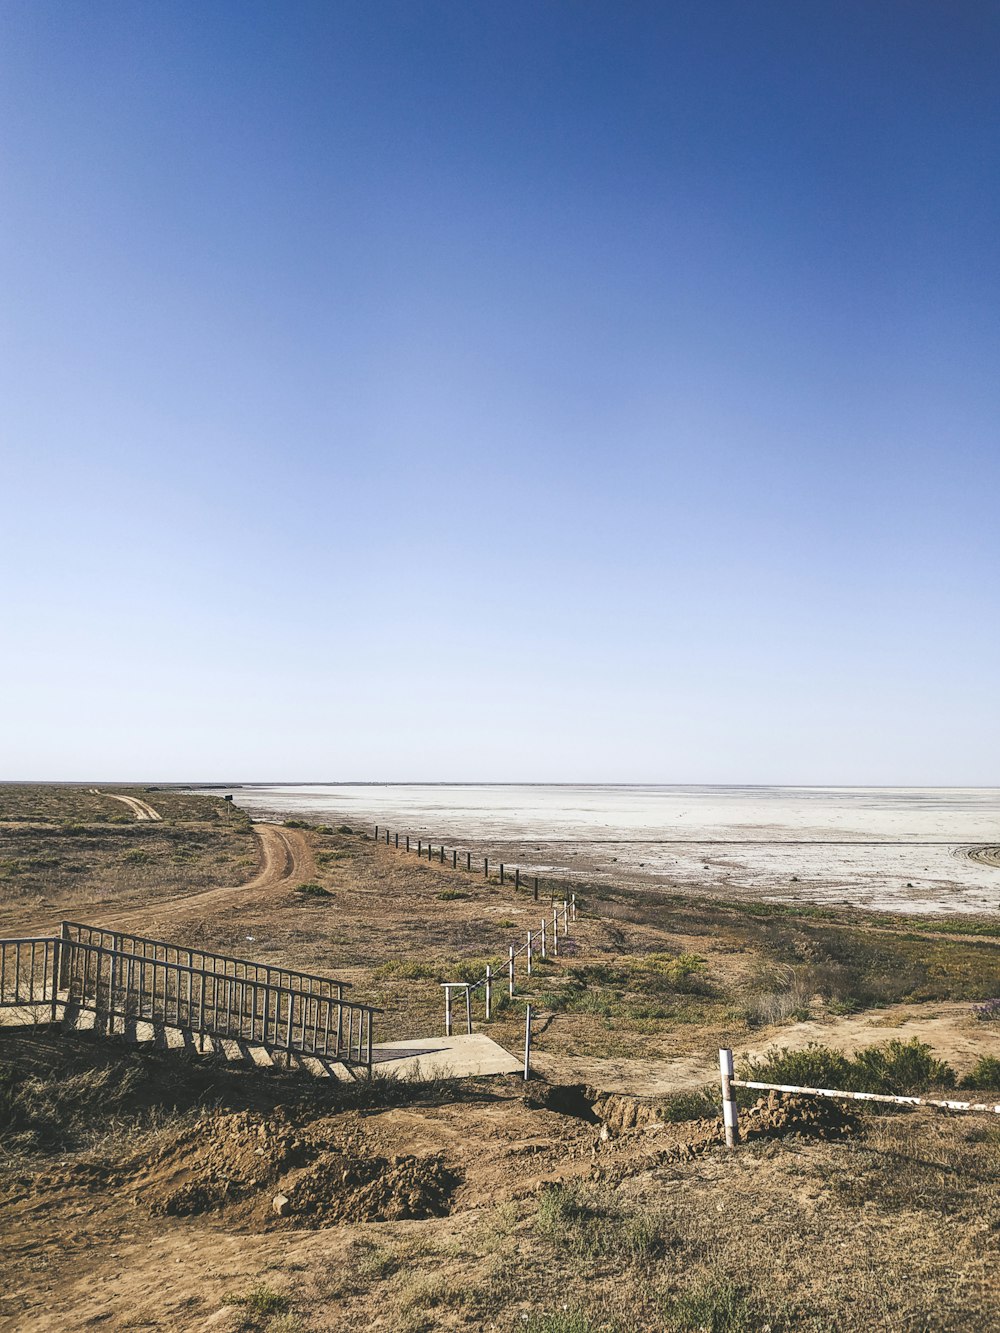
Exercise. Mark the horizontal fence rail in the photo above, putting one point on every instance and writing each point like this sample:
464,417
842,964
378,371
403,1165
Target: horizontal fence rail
730,1112
140,946
132,979
868,1096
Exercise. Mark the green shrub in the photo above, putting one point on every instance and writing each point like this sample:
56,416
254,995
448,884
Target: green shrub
344,828
450,895
984,1076
297,823
897,1067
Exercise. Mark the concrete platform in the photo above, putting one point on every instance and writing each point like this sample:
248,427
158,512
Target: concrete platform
444,1057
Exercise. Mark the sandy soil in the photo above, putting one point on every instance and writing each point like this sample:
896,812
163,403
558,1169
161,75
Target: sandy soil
141,809
286,856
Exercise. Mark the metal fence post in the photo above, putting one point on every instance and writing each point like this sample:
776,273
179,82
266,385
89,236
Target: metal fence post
730,1115
510,970
489,993
527,1042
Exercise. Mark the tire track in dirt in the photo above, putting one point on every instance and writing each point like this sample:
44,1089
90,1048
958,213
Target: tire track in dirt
984,856
286,855
141,809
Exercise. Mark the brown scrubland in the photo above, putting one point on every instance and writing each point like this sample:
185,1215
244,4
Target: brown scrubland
141,1188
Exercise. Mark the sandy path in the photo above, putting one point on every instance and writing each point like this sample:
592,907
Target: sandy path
141,809
286,856
947,1027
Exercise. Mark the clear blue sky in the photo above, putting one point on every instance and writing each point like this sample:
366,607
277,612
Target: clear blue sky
559,391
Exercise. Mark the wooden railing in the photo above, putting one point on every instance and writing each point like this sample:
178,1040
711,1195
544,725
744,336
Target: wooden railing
125,979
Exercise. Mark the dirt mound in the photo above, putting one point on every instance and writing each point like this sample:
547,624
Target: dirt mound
343,1187
265,1172
217,1161
621,1112
778,1114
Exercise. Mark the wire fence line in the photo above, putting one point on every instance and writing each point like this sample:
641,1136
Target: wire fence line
540,943
458,859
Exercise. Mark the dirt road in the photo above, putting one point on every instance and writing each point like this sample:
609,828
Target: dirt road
141,809
286,856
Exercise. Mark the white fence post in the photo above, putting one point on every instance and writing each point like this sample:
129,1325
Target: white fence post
510,969
573,905
447,1010
527,1041
555,931
489,993
730,1115
468,1009
565,917
543,938
529,953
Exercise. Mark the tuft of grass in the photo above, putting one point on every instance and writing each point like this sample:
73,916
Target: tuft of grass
717,1305
297,823
260,1302
403,969
593,1224
680,1106
560,1321
312,890
450,895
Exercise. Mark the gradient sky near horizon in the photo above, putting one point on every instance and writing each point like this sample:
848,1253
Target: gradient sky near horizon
551,392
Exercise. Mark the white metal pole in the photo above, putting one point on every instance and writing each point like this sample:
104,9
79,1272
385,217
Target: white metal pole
730,1115
543,938
565,917
527,1041
510,970
529,953
489,993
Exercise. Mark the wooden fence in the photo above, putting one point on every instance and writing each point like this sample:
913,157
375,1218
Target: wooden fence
125,979
730,1113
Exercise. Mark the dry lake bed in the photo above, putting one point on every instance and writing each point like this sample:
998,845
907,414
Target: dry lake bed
901,849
